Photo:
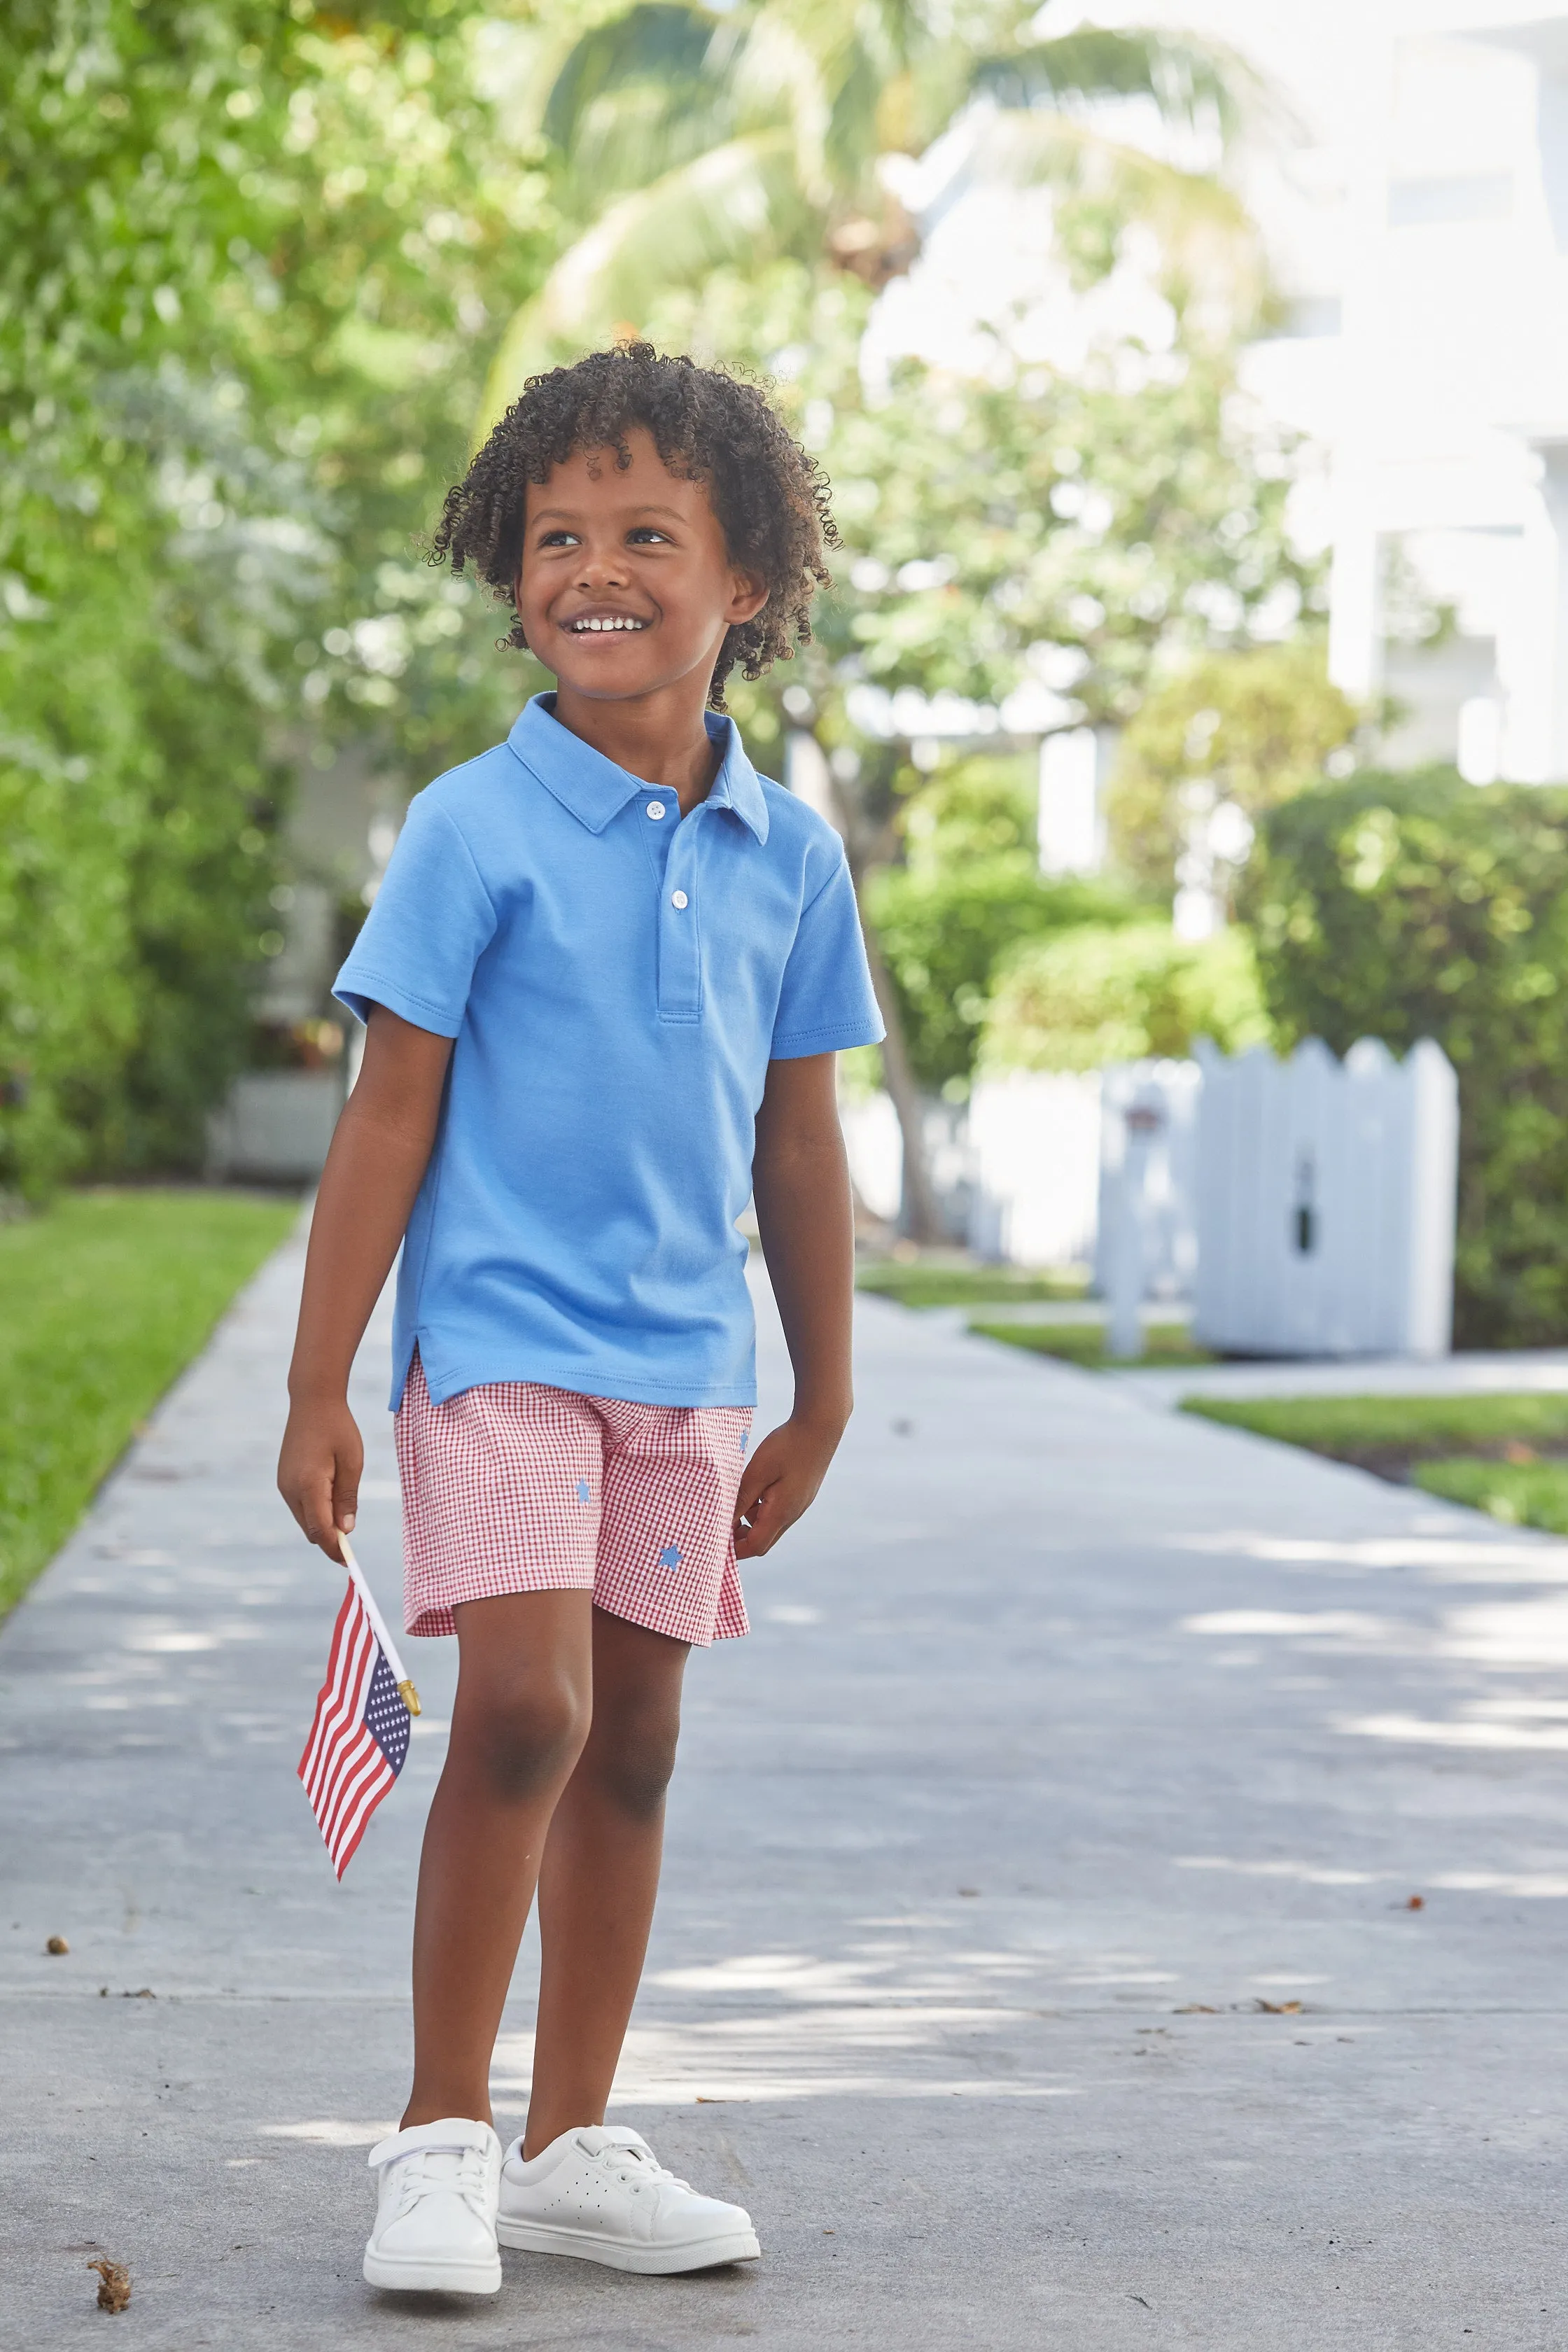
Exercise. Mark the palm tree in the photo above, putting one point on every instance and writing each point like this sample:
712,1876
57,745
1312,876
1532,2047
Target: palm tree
691,138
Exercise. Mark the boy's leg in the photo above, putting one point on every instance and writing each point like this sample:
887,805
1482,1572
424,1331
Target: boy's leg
522,1715
601,1875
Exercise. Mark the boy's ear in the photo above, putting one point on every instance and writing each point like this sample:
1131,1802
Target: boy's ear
748,596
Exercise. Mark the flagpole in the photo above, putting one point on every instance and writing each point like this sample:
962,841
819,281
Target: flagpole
407,1691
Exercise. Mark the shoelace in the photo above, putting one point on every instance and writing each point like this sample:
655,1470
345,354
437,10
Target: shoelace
416,2177
642,2162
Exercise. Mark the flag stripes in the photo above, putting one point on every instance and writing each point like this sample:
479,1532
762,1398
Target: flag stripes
358,1738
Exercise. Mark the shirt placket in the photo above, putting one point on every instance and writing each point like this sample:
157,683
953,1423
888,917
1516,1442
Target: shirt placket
680,930
672,844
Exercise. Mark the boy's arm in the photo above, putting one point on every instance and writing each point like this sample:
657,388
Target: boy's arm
800,1180
372,1173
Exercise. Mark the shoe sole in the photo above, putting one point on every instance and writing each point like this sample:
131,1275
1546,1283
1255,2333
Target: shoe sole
410,2277
700,2255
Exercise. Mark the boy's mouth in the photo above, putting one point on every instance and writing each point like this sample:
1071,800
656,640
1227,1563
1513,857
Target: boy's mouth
601,623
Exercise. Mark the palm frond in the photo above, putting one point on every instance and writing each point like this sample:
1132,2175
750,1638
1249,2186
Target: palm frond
1211,257
739,204
776,80
632,136
658,41
1195,86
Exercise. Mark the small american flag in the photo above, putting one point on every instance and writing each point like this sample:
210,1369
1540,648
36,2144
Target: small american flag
359,1740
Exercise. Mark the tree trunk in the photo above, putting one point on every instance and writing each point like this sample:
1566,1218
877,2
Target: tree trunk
920,1211
838,800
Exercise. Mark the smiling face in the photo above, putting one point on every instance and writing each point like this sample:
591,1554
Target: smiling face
626,587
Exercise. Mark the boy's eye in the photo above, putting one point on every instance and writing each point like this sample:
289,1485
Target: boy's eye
647,534
558,539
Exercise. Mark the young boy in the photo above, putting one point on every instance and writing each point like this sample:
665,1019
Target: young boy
605,981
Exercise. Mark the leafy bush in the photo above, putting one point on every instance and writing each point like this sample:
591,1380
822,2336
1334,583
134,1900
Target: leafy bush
1244,729
1099,994
235,375
1419,906
971,888
136,859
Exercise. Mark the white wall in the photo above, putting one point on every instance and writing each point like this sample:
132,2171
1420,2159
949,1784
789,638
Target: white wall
1033,1143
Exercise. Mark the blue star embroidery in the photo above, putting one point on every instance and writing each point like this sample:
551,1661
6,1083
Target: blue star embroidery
585,1491
670,1556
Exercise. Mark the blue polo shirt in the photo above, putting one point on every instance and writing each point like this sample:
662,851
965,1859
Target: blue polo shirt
616,977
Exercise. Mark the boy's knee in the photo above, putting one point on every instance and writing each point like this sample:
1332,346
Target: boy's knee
528,1740
632,1762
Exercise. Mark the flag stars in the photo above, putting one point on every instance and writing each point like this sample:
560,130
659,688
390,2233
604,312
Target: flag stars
670,1557
585,1491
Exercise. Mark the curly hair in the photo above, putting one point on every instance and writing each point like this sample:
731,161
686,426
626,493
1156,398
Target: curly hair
769,496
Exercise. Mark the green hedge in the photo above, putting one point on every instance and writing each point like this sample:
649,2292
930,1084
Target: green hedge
1102,993
1419,906
971,888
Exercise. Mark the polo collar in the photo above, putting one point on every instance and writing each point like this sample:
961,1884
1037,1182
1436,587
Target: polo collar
595,790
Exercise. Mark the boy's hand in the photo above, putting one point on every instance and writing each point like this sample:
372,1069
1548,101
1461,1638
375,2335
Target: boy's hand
318,1471
779,1482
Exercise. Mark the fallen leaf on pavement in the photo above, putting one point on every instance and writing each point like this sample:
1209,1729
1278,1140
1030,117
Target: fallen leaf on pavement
114,2284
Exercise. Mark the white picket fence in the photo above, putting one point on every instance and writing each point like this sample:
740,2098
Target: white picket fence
1306,1207
1325,1201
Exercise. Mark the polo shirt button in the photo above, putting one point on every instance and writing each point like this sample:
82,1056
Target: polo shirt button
656,808
677,897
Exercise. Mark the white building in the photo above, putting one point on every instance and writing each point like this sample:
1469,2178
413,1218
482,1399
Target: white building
1410,177
1417,223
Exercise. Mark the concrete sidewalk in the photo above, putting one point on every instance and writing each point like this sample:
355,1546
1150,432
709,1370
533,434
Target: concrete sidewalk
1520,1372
1076,1746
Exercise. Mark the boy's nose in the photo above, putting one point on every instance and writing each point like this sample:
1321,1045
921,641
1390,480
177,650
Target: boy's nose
601,568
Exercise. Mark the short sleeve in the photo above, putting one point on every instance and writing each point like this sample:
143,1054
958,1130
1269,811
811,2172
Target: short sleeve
826,1002
431,921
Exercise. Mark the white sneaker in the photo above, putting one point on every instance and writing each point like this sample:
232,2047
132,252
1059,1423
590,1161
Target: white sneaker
436,2209
602,2194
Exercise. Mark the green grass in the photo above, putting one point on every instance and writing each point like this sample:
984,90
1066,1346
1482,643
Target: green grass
1413,1439
1370,1430
1520,1494
1084,1343
104,1297
965,1285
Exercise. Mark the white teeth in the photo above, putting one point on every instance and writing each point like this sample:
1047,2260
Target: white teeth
625,621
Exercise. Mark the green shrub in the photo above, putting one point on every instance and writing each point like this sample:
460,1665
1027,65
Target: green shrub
136,857
1250,727
1419,906
1099,994
971,888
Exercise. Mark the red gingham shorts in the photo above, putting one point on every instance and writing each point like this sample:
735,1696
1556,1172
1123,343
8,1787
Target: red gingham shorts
516,1487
